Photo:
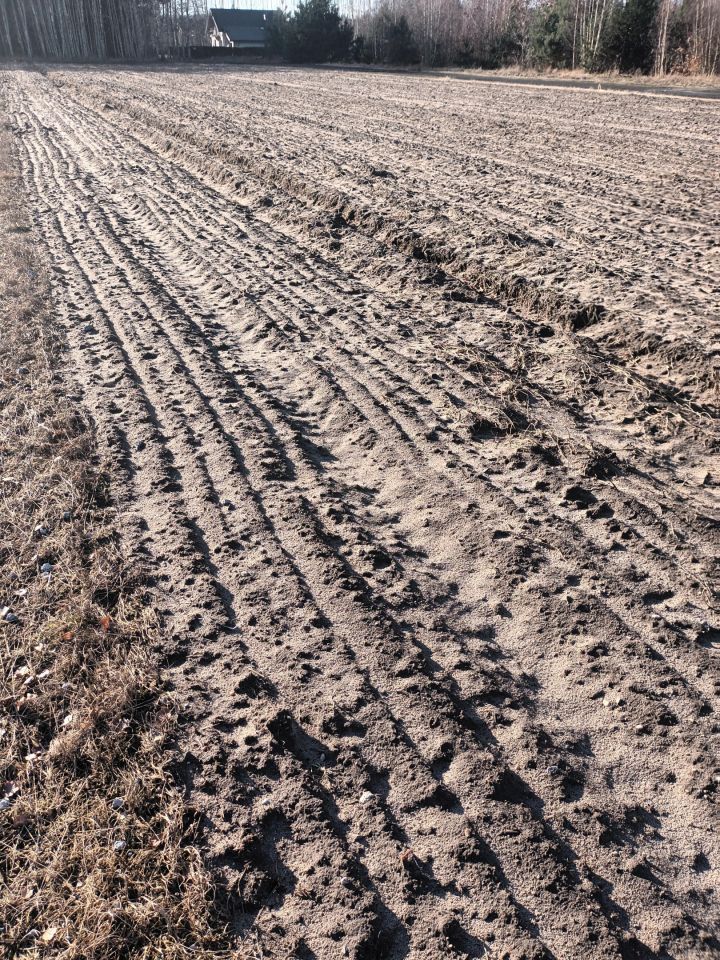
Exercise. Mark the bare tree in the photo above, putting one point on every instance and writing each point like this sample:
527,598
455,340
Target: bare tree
78,29
688,36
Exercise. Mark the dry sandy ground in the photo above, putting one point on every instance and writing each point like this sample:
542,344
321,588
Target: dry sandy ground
411,390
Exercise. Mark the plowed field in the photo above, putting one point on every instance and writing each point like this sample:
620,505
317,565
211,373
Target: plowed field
409,387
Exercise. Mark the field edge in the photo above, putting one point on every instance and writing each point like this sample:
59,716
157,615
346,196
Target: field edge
96,838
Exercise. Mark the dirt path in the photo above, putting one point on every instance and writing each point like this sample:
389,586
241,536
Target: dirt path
438,567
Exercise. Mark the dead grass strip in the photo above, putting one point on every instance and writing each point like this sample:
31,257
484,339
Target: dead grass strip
96,858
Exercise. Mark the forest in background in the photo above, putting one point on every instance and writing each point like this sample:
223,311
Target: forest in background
646,36
649,36
99,30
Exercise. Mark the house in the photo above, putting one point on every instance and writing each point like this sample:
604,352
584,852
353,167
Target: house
246,29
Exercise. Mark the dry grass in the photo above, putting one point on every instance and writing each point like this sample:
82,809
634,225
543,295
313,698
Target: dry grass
608,76
96,857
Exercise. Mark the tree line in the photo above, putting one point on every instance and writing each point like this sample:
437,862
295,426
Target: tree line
648,36
98,29
76,29
651,36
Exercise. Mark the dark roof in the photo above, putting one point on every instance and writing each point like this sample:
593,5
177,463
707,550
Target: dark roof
243,26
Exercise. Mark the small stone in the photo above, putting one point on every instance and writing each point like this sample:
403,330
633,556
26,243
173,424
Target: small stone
366,796
119,845
117,803
41,531
46,568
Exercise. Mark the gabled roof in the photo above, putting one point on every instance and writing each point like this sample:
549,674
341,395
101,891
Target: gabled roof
243,26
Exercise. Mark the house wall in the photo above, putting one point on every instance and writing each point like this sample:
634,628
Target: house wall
218,39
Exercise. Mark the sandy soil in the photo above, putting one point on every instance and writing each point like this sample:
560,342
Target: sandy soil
411,390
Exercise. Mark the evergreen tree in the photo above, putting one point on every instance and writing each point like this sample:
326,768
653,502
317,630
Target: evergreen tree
630,40
400,43
551,35
314,33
